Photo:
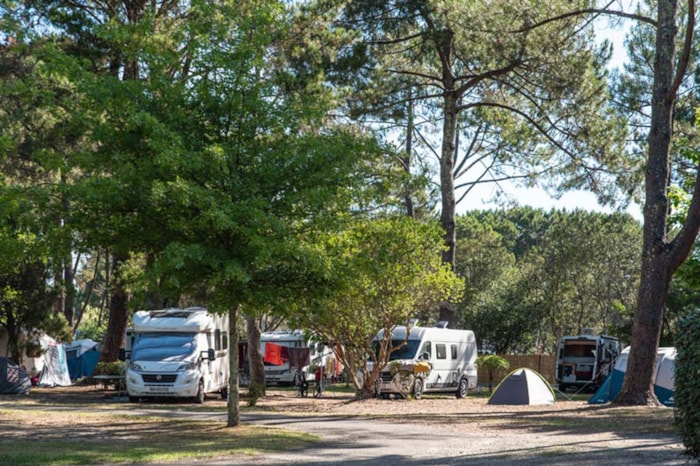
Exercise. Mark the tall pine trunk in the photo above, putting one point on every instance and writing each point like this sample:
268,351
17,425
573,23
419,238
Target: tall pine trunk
660,256
118,313
447,187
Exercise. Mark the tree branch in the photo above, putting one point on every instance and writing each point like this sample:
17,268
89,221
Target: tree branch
586,11
685,57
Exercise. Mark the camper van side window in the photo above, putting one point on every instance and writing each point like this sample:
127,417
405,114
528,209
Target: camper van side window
441,350
217,339
426,351
454,352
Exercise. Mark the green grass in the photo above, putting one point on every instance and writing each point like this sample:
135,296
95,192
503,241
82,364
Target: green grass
50,438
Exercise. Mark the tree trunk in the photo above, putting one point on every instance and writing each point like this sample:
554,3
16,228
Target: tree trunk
256,381
447,187
447,182
637,388
447,158
69,292
118,313
407,158
232,403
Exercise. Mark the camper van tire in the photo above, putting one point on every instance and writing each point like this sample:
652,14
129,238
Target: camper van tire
463,388
134,399
199,397
224,393
418,388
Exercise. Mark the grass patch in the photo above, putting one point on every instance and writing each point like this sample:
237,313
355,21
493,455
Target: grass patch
54,438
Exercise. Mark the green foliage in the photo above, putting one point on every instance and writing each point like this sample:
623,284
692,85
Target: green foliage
379,274
687,381
56,326
491,363
534,276
533,100
92,325
110,368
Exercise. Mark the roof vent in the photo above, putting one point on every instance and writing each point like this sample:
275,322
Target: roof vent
442,324
587,331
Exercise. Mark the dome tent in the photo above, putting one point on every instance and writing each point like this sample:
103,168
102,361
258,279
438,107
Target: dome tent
664,375
13,378
523,387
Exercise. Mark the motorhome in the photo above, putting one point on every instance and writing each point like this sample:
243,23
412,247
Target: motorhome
275,347
177,353
585,360
432,359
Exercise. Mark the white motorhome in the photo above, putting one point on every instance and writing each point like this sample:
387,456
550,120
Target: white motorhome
177,353
279,372
434,359
585,360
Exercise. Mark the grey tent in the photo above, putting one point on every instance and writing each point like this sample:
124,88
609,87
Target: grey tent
523,387
13,379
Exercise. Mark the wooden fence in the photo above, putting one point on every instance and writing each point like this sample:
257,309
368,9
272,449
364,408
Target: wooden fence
542,363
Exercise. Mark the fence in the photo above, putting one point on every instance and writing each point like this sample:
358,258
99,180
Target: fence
542,363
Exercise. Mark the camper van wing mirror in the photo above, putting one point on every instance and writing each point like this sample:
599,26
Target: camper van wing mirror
425,356
124,354
210,354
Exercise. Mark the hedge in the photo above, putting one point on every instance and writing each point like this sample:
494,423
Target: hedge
687,382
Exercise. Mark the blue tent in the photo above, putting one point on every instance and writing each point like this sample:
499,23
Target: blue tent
82,357
663,378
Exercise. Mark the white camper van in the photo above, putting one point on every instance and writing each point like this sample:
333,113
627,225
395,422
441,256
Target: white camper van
434,359
177,353
585,360
278,370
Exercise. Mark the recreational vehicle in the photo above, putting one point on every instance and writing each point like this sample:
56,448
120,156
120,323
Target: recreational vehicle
278,349
177,353
433,359
585,360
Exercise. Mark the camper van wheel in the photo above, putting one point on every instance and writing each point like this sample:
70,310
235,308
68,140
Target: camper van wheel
199,397
463,388
224,393
134,399
418,388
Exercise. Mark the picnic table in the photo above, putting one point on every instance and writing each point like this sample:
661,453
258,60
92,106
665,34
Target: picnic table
107,380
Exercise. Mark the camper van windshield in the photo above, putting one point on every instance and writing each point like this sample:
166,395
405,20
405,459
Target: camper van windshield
579,349
163,346
408,351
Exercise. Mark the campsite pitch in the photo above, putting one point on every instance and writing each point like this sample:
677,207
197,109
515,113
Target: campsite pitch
284,428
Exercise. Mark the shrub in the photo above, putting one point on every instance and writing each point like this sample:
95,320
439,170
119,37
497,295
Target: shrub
687,382
110,368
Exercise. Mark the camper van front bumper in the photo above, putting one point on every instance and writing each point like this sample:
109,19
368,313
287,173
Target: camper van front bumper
182,384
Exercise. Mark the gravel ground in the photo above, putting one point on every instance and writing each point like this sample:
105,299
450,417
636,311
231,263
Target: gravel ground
432,431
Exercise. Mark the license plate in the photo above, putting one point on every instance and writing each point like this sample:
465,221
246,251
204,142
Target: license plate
159,389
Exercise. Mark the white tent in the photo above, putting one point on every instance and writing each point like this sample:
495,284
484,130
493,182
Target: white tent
663,377
52,364
523,387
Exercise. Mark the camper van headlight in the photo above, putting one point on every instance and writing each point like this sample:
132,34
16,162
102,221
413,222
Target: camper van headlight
187,366
135,367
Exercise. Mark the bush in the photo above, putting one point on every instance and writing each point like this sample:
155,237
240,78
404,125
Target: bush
110,368
687,382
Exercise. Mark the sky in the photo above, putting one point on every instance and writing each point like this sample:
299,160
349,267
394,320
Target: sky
538,198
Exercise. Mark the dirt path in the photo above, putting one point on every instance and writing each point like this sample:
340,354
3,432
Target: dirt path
433,431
